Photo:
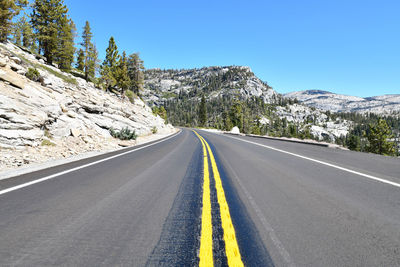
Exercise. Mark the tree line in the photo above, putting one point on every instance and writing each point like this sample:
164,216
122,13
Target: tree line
370,132
49,31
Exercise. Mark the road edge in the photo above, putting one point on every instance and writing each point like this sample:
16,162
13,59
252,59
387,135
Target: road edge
11,173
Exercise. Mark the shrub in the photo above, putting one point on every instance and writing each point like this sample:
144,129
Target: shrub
46,142
130,95
154,130
124,134
33,74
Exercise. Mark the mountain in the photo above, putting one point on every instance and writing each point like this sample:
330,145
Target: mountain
235,96
235,81
384,105
59,115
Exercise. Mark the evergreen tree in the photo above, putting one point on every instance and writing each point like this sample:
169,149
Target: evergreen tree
87,47
227,122
28,37
163,113
110,64
17,33
48,21
236,114
66,49
135,72
112,55
121,74
353,142
8,10
378,139
203,111
93,61
80,61
256,128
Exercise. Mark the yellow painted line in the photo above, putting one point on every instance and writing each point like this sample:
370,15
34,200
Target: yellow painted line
231,245
206,252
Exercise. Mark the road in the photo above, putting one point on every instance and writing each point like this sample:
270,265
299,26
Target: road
288,204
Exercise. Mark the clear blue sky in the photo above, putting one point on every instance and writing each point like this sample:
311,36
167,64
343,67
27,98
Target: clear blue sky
350,47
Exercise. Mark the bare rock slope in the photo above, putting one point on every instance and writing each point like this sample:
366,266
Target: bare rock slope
385,104
60,113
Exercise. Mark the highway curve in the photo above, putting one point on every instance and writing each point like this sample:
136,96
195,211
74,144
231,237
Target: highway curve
200,198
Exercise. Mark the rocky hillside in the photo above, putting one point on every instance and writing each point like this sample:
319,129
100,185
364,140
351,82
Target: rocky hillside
60,110
263,110
162,85
384,105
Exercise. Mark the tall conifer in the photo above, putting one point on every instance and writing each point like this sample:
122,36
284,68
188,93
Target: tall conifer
135,72
87,45
8,10
93,61
80,61
66,48
48,17
122,77
109,66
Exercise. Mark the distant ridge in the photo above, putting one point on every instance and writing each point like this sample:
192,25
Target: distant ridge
385,104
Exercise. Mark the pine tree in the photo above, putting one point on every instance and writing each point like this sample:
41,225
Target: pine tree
203,111
28,37
112,55
353,142
23,33
236,114
87,45
8,10
135,72
93,61
48,17
66,49
109,66
227,122
378,139
163,113
108,77
121,74
80,61
17,33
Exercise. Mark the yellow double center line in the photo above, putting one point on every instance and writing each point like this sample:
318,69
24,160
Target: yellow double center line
231,246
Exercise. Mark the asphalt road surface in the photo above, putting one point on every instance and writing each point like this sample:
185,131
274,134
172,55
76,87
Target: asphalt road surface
277,203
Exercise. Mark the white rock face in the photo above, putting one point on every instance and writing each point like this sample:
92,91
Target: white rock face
316,120
386,104
29,111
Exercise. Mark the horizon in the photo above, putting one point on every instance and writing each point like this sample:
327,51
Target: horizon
344,48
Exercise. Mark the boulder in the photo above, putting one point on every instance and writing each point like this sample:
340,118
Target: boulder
12,78
16,60
21,72
235,130
75,132
3,62
16,67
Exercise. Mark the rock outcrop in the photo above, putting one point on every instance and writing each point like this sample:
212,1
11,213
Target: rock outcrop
61,107
384,105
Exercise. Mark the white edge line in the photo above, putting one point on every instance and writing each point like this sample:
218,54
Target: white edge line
80,167
322,162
